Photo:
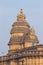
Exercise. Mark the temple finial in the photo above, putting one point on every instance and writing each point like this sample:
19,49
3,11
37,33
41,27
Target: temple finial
21,17
21,11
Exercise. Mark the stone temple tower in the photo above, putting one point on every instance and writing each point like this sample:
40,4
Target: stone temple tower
24,47
22,35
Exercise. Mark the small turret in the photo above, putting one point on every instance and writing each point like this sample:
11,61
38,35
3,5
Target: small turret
32,31
33,36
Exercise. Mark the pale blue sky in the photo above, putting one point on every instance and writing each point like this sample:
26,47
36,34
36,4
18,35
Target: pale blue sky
33,9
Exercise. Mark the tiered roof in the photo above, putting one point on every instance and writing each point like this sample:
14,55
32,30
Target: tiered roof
22,26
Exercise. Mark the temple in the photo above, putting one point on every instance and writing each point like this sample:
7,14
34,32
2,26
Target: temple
24,47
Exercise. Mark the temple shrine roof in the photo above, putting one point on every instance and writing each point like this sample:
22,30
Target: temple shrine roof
22,26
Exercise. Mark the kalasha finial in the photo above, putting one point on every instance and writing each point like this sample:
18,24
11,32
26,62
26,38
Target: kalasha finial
21,11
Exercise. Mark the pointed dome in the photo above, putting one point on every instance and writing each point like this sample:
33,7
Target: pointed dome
21,17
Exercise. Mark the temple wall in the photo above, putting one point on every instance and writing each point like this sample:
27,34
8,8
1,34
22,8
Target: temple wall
41,60
4,63
16,34
35,43
40,48
12,62
1,63
32,61
14,47
28,44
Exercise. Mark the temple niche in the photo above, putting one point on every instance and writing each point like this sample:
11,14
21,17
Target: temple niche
24,47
